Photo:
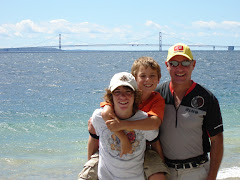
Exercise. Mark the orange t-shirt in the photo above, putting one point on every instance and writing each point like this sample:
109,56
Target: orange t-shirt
153,106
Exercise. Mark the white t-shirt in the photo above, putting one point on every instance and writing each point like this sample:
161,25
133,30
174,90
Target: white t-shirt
129,166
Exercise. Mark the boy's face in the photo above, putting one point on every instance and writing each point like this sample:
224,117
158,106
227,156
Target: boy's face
147,79
123,99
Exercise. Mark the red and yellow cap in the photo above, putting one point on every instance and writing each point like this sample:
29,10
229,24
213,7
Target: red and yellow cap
179,49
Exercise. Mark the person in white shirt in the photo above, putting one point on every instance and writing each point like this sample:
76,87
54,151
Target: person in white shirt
124,96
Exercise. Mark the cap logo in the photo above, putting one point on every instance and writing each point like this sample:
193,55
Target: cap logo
124,78
178,48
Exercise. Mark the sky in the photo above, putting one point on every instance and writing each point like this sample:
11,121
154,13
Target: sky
29,23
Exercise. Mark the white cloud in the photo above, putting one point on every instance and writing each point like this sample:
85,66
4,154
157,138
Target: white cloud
3,31
203,24
166,30
28,27
47,32
153,24
212,25
30,32
231,24
57,21
21,28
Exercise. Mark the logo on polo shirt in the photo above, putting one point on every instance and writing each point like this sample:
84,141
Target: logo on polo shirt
197,102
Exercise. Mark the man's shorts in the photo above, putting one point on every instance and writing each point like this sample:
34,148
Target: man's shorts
154,164
90,169
198,173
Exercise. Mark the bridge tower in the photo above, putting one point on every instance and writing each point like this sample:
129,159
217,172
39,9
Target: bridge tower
160,41
60,46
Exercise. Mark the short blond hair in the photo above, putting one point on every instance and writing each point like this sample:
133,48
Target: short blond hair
145,62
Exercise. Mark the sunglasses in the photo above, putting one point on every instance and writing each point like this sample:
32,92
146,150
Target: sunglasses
183,63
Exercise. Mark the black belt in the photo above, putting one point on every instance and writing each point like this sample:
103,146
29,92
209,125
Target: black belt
188,163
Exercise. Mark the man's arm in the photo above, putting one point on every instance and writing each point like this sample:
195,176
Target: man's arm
216,155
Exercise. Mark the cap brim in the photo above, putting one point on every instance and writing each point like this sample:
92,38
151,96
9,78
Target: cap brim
178,54
122,84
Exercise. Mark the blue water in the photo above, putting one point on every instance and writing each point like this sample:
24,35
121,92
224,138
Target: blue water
47,98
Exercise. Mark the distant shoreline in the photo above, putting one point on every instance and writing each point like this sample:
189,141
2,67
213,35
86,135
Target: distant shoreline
55,50
99,51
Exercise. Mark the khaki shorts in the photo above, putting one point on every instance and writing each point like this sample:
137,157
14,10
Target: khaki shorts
154,164
198,173
90,169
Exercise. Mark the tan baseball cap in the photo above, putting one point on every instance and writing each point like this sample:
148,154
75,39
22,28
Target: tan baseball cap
123,79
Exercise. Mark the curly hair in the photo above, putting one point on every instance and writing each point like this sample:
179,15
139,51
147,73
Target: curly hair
108,97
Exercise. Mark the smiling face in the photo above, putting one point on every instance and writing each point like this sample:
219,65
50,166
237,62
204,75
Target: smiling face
123,99
180,75
147,80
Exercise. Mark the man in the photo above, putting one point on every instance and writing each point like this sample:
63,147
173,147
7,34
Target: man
192,124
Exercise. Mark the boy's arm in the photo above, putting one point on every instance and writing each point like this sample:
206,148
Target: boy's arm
156,146
150,123
154,108
92,146
92,142
91,129
126,146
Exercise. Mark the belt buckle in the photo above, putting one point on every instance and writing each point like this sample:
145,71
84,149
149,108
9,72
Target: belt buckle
198,164
178,166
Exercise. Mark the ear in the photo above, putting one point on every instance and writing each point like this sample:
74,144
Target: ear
194,63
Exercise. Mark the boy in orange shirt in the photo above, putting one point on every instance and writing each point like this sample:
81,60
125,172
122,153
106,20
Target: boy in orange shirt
147,73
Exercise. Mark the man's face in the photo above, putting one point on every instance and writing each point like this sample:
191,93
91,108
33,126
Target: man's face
180,69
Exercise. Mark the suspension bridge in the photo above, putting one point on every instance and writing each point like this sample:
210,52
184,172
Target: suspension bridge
159,46
141,45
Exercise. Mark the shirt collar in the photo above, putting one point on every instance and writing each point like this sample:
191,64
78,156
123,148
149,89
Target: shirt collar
188,91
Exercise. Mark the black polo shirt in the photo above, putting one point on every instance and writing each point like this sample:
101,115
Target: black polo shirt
185,130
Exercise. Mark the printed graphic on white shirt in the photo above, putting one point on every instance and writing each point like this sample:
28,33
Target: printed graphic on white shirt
113,142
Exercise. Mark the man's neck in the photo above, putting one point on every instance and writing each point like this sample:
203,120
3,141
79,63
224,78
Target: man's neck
181,89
